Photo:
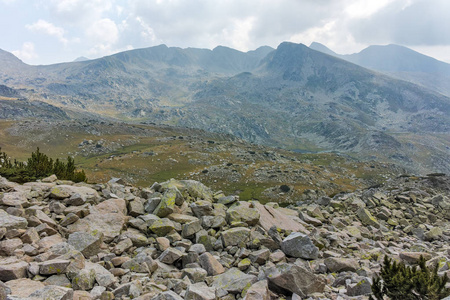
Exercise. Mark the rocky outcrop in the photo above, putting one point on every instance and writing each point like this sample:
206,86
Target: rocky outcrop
60,240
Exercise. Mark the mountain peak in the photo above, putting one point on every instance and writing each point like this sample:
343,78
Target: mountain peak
322,48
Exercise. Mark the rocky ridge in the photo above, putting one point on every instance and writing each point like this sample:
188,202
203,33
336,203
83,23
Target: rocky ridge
181,240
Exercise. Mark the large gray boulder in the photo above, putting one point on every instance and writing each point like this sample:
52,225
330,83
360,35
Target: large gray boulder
295,279
299,245
12,222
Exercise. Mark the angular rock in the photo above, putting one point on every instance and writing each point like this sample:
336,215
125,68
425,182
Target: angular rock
413,257
170,255
122,246
210,264
336,264
107,217
136,208
270,216
87,243
299,245
7,247
167,296
161,227
24,287
30,236
235,236
295,279
260,257
233,281
366,218
84,280
16,199
12,222
167,204
258,291
52,292
202,208
191,228
12,268
363,287
194,274
200,291
54,266
241,213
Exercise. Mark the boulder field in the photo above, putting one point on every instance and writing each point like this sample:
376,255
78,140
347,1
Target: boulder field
181,240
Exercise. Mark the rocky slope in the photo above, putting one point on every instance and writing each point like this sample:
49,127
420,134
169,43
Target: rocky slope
400,62
181,240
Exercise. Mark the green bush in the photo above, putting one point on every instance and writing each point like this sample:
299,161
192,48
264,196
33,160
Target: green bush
400,282
39,166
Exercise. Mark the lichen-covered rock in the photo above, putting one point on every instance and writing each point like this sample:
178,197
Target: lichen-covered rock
88,243
84,280
366,217
235,236
167,204
242,213
258,291
161,227
54,266
233,281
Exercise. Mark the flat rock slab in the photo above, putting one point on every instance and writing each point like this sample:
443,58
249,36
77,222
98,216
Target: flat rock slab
24,287
270,216
12,222
233,281
336,264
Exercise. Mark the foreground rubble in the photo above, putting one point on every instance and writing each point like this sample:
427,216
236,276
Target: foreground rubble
180,240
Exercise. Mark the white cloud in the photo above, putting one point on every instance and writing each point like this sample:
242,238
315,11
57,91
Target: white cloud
104,34
45,27
27,52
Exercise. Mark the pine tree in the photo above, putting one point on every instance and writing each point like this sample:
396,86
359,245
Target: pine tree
400,282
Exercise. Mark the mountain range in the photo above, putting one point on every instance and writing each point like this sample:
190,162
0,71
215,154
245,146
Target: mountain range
380,104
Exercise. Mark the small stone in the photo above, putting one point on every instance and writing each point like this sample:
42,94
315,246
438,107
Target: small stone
233,281
191,228
12,222
363,287
258,291
413,257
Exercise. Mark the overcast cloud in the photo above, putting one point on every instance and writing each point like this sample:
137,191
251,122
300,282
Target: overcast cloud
51,31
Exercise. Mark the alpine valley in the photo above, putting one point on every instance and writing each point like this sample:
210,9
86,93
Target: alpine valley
386,104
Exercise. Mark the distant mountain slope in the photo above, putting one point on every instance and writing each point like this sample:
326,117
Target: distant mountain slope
400,62
292,97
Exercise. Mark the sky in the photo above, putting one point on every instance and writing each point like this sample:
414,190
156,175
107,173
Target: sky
53,31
